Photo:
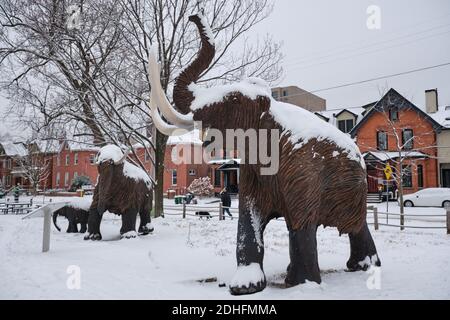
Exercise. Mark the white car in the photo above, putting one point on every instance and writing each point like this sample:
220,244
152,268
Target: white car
432,197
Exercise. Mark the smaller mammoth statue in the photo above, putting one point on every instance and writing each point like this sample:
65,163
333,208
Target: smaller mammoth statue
75,216
123,189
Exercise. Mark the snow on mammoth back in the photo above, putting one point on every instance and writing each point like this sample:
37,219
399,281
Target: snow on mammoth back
304,126
114,153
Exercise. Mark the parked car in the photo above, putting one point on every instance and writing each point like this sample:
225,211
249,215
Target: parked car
432,197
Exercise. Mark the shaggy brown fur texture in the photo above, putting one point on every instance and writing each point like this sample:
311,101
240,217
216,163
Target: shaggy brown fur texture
117,193
311,187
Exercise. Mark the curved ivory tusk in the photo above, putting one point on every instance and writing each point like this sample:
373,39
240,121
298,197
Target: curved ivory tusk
184,121
160,124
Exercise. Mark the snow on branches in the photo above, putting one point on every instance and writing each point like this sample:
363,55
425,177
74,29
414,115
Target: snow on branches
201,187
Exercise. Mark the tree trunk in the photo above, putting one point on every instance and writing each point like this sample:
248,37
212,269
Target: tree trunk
161,141
400,192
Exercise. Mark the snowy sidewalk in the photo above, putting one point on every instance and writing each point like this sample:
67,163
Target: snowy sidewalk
168,263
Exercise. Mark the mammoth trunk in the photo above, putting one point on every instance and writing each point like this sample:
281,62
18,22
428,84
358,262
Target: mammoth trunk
182,96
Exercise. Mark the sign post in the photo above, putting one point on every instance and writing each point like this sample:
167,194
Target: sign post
388,174
46,211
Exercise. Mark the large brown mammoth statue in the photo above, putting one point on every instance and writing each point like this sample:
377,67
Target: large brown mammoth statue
321,179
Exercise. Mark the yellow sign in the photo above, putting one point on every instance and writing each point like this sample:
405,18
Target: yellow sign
388,171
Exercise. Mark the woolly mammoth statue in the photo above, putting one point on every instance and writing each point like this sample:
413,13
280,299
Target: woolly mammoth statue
321,176
122,189
75,216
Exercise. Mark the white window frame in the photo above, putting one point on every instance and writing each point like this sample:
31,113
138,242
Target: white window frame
66,179
58,179
67,162
75,159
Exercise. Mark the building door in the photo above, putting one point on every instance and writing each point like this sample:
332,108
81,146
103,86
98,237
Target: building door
446,178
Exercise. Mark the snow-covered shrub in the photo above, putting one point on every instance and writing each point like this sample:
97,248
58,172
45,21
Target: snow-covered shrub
201,187
78,182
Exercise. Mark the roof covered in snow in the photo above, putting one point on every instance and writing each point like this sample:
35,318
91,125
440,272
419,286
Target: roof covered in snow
12,149
384,156
442,117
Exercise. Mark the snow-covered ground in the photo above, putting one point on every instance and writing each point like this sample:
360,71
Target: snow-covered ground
169,263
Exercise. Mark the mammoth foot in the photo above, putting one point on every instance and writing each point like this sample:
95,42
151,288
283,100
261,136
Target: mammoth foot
145,230
248,280
83,229
363,265
129,235
93,236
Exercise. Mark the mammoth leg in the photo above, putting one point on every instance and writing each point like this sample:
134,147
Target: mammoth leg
72,228
304,264
363,252
94,220
84,216
145,226
128,229
249,277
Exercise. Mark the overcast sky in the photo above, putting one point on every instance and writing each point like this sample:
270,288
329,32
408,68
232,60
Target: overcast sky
327,43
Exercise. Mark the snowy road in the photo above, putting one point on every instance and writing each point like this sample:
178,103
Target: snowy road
167,264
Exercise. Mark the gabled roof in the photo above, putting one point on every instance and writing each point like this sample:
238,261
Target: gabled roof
12,149
348,111
383,103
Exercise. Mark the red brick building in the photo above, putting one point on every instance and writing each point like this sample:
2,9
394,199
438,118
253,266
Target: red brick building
397,132
73,160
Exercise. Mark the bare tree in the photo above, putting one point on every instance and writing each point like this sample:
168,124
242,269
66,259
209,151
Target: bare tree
85,66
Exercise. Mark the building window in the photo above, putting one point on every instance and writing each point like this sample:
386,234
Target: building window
393,113
407,139
58,178
420,176
285,93
346,125
67,159
382,140
75,175
58,160
174,177
75,159
192,172
217,180
66,179
9,163
275,95
91,158
407,176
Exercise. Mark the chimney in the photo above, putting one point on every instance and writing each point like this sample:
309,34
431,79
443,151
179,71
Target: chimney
431,101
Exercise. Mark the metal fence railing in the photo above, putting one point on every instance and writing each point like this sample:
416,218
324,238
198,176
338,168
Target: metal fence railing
397,220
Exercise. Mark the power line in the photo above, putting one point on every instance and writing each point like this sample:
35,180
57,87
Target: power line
348,46
340,52
370,51
368,80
